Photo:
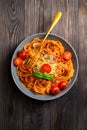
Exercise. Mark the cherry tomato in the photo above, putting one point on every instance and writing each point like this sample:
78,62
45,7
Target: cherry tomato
45,68
55,90
67,55
22,54
17,61
62,85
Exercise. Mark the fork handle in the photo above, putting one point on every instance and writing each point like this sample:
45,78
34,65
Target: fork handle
55,20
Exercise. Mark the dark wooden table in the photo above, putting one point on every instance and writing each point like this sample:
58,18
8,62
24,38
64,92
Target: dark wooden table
18,20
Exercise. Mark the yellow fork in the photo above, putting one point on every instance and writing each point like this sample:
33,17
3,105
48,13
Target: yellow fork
55,20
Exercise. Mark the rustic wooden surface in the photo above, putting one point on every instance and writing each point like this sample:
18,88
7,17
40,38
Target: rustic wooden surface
19,19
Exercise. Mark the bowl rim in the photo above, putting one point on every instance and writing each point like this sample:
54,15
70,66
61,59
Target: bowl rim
23,89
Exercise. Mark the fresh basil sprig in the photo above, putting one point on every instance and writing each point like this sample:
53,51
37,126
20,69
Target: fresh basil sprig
43,75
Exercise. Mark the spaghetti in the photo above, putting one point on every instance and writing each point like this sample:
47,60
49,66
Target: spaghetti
51,54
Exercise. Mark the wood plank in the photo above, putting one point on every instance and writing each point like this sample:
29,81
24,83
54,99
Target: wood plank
82,95
11,34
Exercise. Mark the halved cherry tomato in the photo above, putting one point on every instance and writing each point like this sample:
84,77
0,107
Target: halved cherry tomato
45,68
62,85
22,54
17,61
67,55
55,90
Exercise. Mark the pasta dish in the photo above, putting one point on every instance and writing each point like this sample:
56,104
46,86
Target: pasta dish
44,69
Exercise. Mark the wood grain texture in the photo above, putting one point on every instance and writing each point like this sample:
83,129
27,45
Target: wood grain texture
11,34
18,20
82,102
